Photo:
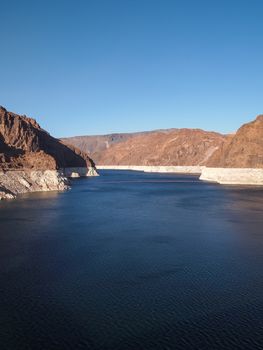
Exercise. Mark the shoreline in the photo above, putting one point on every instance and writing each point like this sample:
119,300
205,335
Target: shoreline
223,176
233,176
15,182
195,170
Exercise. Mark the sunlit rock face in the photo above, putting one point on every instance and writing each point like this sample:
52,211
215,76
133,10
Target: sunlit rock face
239,161
74,172
171,147
233,176
17,182
242,150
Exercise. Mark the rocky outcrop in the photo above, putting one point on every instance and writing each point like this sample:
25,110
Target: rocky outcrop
233,176
32,160
239,161
25,145
95,145
172,147
79,172
17,182
242,150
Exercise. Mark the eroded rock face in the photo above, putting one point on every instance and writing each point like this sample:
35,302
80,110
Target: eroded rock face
180,147
242,150
233,176
96,144
17,182
24,145
174,147
31,160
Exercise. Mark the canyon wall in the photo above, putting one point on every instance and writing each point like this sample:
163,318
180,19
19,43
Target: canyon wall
25,145
244,149
226,159
32,160
172,147
239,161
95,145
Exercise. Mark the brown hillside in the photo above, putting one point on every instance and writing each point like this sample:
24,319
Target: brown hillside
242,150
24,145
165,147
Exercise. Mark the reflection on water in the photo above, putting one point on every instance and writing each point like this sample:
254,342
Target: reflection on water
133,261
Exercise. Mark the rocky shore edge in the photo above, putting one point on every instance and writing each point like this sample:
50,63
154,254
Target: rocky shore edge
224,176
233,176
155,168
15,182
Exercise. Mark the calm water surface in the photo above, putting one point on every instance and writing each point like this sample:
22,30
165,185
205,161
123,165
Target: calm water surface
133,261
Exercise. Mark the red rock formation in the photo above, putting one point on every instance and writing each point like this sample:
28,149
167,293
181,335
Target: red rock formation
242,150
161,147
24,145
95,144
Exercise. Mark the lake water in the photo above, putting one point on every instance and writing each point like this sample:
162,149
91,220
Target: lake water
133,261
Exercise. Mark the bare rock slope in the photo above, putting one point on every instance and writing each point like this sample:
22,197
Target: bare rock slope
161,147
240,160
242,150
32,160
95,145
25,145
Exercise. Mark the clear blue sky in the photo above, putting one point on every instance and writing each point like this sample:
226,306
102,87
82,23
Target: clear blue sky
100,66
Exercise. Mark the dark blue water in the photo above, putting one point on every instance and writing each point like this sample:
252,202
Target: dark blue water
133,261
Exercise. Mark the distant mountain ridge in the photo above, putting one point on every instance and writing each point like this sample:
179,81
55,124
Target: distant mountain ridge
95,144
179,147
158,147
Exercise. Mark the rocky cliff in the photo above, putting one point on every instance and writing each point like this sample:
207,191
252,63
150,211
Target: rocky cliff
96,144
25,145
161,147
32,160
243,149
16,182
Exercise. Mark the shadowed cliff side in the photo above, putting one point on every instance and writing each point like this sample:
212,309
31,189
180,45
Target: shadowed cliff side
25,145
31,160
